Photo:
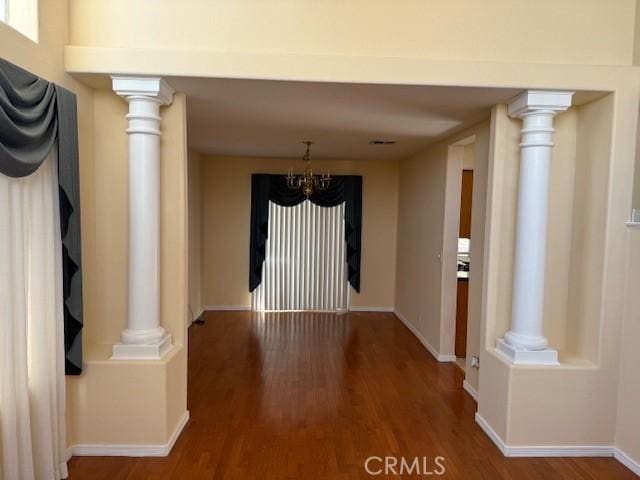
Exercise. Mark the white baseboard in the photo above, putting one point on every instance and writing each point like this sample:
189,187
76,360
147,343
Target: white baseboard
556,450
470,390
196,315
627,461
560,451
495,438
92,450
227,308
438,356
446,358
371,309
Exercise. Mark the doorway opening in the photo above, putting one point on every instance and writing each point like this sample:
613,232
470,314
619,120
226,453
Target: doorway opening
463,258
456,250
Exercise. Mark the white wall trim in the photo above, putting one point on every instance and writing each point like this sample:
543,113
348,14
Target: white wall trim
226,308
195,317
557,450
470,390
627,461
438,356
371,309
495,438
560,451
118,450
543,450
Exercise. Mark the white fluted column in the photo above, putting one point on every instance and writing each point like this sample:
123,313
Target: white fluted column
524,343
143,338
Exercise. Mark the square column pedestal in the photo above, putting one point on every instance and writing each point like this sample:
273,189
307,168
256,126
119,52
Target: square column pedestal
151,351
547,356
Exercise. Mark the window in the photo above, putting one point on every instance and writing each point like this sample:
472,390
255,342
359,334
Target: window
21,15
305,265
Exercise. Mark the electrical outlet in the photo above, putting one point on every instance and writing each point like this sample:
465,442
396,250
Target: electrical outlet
475,362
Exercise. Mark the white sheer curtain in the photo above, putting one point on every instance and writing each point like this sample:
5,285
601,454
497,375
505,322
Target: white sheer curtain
305,265
32,396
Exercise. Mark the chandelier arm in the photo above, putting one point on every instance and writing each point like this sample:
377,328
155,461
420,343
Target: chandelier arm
307,180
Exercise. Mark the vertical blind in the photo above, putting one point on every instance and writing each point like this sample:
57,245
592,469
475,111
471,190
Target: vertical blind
305,266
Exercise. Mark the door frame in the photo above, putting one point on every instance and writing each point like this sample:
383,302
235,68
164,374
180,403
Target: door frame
449,255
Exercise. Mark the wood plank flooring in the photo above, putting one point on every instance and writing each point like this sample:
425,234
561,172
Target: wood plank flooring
311,396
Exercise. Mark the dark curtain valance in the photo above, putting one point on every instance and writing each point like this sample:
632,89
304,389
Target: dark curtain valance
265,188
35,115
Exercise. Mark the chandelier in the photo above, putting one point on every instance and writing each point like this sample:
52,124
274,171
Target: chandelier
308,181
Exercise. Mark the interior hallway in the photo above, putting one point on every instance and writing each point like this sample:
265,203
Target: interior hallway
308,395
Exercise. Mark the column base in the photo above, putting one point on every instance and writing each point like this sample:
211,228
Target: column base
517,356
151,351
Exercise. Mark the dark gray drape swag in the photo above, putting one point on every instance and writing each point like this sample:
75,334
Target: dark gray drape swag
343,188
35,115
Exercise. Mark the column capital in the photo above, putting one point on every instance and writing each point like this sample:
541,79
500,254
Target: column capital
151,87
536,100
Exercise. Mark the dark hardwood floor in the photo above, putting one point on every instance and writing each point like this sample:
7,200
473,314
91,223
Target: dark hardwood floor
311,396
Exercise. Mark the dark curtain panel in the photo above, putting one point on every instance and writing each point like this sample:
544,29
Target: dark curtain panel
34,114
69,193
265,188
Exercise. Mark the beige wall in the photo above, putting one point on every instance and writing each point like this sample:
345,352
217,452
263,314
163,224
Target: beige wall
174,222
195,264
628,421
424,263
586,222
420,220
105,308
226,194
494,30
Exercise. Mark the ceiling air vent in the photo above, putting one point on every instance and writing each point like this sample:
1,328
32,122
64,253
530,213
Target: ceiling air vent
377,141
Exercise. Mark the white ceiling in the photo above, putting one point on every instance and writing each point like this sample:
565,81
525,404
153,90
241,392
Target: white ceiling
270,118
